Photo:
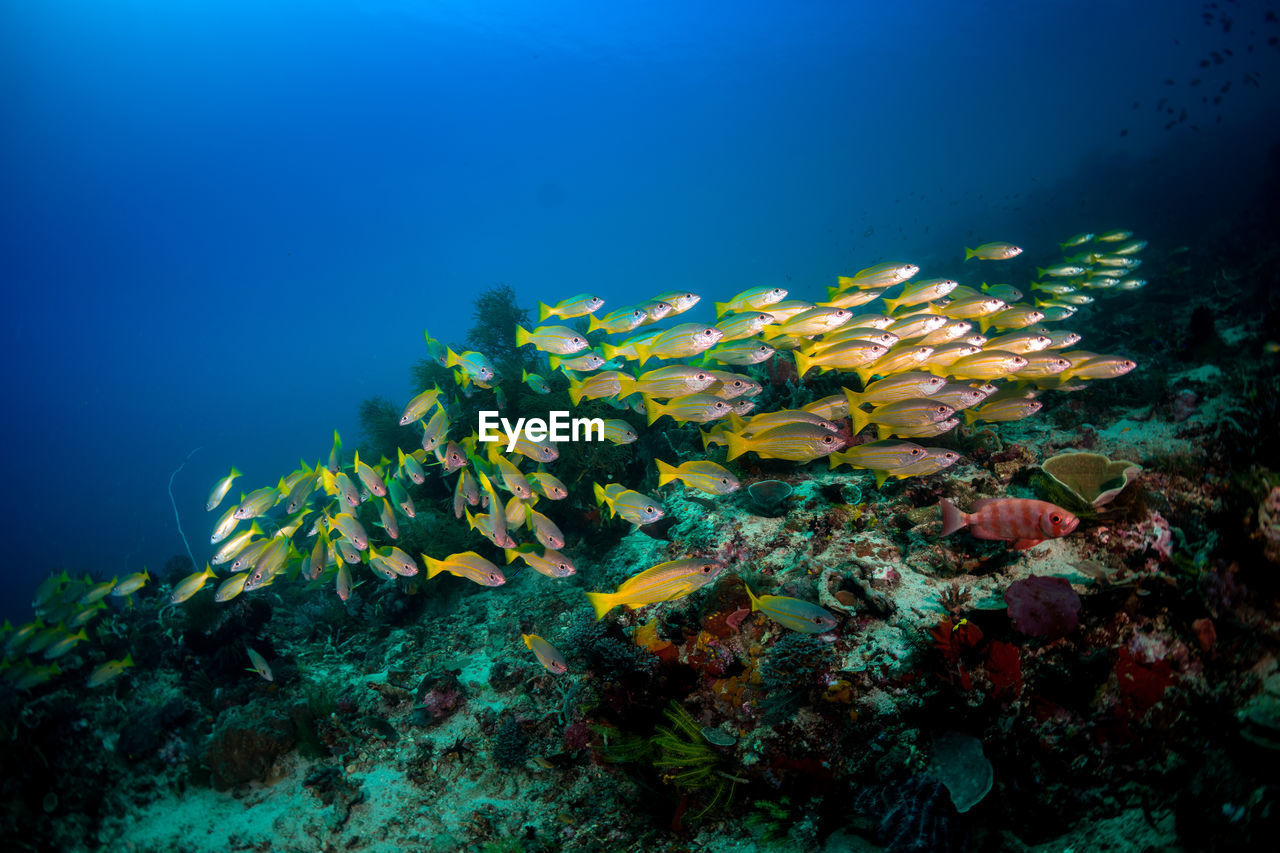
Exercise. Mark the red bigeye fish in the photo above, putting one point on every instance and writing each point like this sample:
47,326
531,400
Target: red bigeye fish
1022,521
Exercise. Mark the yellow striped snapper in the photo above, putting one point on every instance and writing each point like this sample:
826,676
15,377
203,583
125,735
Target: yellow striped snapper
741,352
231,587
1057,313
780,417
730,386
435,430
703,475
993,252
399,562
475,366
1042,364
972,307
1004,292
935,459
191,584
574,306
1013,317
622,320
619,432
903,386
130,584
809,321
798,442
509,474
654,310
695,408
1060,271
299,490
548,486
1114,236
960,396
988,364
634,507
1097,367
259,665
550,658
904,413
952,331
418,406
786,310
918,292
546,531
559,340
896,360
793,613
755,299
611,383
664,582
537,384
257,503
1021,342
831,408
845,355
676,380
108,670
854,298
469,565
1004,407
679,300
584,363
909,328
402,499
370,477
1077,240
220,490
738,327
550,562
879,455
880,275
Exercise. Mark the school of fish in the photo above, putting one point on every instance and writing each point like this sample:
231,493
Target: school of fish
925,353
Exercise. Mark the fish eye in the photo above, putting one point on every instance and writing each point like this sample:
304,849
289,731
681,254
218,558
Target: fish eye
827,439
1055,518
706,569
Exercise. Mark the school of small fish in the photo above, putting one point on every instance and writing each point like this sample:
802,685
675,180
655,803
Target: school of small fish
940,352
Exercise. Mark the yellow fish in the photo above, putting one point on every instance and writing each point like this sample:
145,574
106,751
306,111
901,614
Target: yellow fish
664,582
702,474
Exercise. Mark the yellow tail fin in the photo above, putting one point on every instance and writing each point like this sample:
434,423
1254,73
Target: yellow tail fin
803,363
854,398
544,311
434,566
666,473
737,445
860,419
969,253
652,409
522,335
602,602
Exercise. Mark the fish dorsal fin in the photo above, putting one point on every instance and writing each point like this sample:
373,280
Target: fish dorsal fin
979,504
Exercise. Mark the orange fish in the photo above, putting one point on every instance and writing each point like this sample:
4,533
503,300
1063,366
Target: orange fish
1022,521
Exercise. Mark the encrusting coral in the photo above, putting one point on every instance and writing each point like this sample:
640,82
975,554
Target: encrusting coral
1090,480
